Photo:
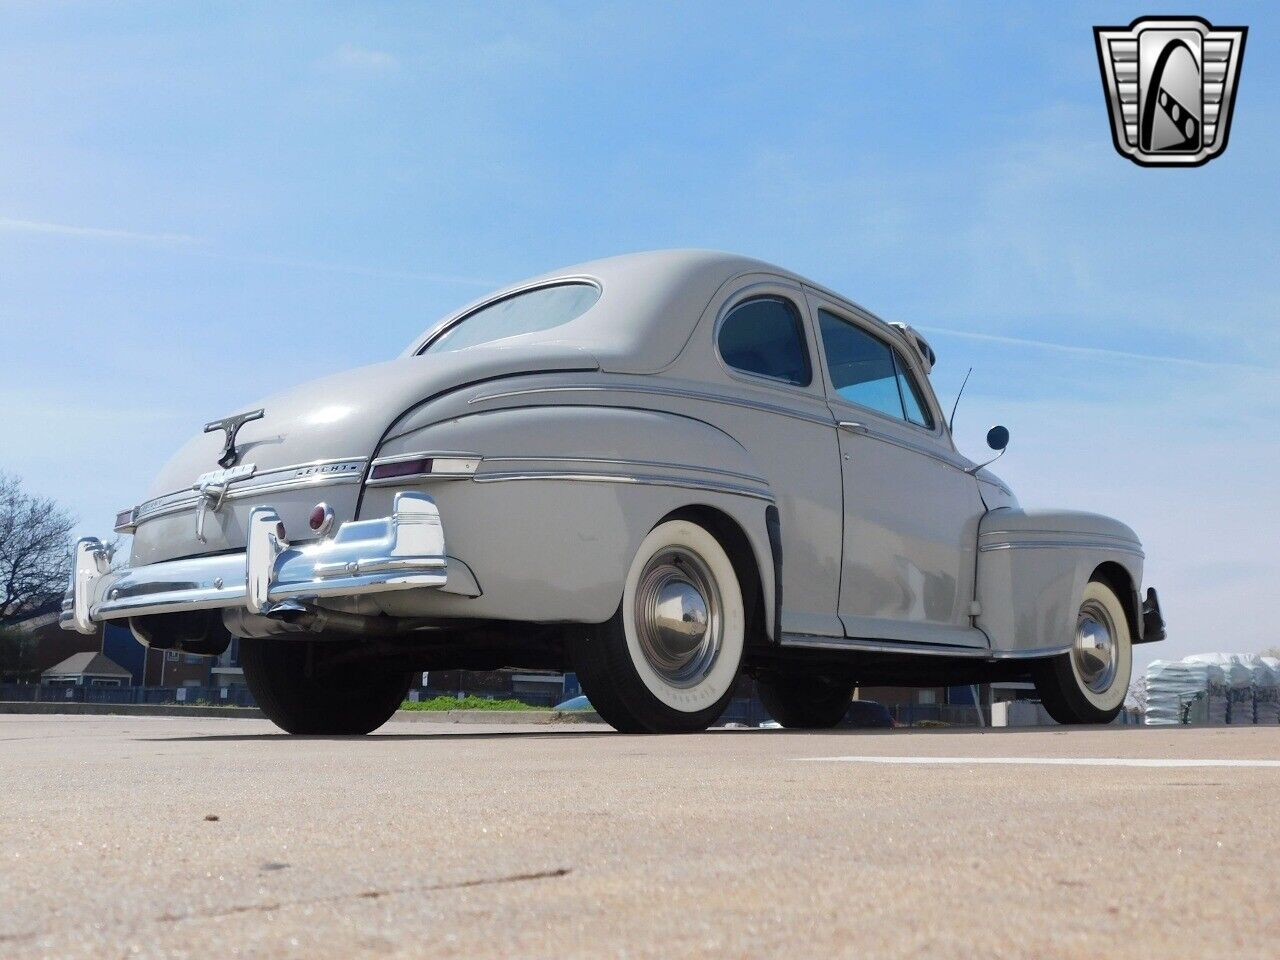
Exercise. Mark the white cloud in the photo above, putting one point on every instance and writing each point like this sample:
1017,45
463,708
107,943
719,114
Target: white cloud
365,58
353,269
185,240
1088,352
12,225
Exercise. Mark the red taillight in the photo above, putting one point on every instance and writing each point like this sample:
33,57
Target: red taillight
401,468
320,519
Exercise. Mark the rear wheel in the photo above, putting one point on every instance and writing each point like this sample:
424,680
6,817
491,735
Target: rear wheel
1088,685
315,687
804,702
667,661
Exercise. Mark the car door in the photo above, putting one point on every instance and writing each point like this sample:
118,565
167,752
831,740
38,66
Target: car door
911,512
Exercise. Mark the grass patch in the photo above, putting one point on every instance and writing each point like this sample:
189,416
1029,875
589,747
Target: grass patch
468,702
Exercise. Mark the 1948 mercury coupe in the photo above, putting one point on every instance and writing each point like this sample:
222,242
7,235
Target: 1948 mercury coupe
659,470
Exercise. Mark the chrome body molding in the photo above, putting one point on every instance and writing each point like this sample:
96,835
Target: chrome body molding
318,473
932,451
640,464
654,480
918,649
988,542
662,391
402,551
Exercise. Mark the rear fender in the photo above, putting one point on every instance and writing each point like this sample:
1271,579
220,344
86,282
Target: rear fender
561,498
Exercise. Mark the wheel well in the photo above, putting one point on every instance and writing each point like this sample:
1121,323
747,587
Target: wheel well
1117,578
734,540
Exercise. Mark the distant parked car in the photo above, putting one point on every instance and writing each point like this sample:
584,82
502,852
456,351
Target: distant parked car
658,470
868,714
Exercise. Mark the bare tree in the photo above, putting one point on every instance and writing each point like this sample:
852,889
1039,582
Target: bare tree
35,550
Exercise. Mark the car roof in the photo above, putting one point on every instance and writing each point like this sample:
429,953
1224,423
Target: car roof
649,304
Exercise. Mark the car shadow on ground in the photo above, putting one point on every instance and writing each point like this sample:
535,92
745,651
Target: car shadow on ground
581,734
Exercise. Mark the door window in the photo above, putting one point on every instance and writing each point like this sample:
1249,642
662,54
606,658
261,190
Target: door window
867,371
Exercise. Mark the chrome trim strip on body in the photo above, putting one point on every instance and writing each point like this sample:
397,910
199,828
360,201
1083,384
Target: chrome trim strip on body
402,551
426,455
687,483
854,644
763,405
612,462
317,473
1059,543
864,430
956,462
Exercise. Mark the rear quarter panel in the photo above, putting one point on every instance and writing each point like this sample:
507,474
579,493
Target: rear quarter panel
563,496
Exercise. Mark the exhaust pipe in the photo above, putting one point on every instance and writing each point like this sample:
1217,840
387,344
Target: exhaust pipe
318,620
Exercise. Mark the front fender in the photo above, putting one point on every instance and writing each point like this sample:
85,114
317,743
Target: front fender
1033,566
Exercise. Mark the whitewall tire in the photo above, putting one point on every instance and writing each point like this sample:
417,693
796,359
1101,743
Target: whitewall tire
1088,685
668,660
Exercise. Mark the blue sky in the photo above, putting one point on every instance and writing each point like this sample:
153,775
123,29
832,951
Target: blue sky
200,203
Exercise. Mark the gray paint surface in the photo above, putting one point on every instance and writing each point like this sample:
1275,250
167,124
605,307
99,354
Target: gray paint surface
589,433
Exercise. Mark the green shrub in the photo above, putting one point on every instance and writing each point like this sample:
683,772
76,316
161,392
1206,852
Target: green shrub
469,702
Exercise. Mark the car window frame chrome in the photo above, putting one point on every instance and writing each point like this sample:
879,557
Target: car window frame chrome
433,334
884,333
759,290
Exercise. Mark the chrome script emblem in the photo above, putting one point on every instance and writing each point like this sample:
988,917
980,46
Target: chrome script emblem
212,488
231,426
1170,83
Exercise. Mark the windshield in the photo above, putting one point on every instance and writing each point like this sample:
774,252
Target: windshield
527,312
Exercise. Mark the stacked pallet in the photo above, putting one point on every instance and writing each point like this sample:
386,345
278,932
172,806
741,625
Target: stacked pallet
1213,688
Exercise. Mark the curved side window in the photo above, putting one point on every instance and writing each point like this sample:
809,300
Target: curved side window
529,312
765,337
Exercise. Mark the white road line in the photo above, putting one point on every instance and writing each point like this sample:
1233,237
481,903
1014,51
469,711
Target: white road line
1050,761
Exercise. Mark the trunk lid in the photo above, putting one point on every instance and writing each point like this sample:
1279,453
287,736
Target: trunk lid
312,444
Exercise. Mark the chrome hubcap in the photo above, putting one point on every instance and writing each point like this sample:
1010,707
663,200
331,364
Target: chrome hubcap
678,616
1094,651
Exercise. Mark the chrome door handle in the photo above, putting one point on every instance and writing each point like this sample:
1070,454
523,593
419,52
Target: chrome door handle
852,426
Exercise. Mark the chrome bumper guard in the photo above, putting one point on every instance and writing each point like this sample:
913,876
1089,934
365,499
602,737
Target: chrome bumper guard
399,552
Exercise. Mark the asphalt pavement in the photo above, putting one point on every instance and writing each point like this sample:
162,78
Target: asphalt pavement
177,837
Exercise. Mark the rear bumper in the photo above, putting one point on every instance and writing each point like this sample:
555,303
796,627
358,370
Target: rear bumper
403,551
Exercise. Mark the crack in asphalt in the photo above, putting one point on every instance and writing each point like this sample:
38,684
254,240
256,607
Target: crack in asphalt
375,894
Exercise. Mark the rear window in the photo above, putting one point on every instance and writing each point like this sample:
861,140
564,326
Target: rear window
528,312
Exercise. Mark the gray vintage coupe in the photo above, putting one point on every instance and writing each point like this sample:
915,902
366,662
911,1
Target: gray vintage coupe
659,470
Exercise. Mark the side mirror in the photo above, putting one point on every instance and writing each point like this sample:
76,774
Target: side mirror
997,440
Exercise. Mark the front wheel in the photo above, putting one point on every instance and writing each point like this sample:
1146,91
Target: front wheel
667,661
315,686
1088,685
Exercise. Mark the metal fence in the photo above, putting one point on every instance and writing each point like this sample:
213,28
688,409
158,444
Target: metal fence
235,696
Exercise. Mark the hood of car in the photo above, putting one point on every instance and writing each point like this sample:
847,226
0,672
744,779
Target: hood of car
312,441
